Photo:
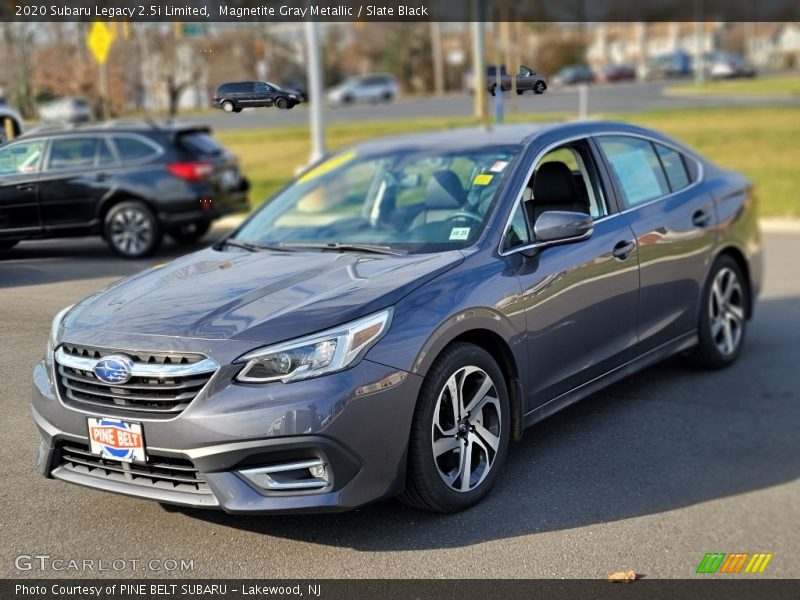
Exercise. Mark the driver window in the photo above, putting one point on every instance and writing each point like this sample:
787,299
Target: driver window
22,157
568,181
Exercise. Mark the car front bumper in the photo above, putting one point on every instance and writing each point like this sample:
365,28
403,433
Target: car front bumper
357,422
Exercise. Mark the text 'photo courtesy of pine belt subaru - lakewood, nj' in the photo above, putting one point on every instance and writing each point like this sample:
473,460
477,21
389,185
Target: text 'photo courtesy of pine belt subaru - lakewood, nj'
395,316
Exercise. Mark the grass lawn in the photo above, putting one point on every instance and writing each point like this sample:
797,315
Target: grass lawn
759,142
785,85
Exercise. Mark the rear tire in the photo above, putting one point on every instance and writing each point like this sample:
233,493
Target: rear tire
724,306
131,230
460,432
190,232
228,106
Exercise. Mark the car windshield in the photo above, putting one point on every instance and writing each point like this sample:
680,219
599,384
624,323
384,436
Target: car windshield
413,201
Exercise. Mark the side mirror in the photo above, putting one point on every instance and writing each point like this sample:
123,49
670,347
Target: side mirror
561,227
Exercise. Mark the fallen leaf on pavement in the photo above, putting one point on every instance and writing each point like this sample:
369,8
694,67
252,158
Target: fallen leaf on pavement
624,576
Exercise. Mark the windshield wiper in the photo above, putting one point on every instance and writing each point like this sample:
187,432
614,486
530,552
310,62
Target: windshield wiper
343,247
250,246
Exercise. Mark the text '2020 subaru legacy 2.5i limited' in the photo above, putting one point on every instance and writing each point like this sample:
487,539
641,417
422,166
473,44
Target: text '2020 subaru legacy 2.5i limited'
390,320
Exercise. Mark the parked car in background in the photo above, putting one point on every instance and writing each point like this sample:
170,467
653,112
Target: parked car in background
10,123
394,317
66,110
237,95
615,73
527,80
723,65
573,74
129,182
672,65
366,88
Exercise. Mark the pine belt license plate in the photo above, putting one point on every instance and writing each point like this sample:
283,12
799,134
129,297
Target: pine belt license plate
114,439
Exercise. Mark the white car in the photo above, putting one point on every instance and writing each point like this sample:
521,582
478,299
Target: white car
367,88
66,110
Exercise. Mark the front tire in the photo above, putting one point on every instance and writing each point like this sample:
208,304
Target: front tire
539,88
131,230
282,103
723,316
460,432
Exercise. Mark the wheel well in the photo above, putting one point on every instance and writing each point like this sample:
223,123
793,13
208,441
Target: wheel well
741,262
498,348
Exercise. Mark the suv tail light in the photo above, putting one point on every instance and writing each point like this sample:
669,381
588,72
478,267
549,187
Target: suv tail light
191,170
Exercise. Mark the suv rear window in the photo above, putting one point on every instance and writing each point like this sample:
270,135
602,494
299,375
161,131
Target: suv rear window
200,143
131,148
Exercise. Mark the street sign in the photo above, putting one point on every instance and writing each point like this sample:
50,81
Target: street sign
99,42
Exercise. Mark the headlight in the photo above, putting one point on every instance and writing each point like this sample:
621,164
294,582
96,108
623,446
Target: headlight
293,96
56,329
317,354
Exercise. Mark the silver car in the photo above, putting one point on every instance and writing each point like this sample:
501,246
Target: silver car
369,88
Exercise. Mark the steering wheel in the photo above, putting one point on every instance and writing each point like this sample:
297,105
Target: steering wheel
465,214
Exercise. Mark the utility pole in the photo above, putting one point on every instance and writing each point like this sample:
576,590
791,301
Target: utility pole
438,61
479,63
315,91
499,112
699,61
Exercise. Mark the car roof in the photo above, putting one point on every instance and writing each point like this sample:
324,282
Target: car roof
115,126
518,133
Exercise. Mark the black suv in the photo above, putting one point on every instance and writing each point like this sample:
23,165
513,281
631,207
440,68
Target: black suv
233,97
130,182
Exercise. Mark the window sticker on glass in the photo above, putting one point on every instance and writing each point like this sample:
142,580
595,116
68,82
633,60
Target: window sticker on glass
459,233
638,180
482,179
498,166
329,165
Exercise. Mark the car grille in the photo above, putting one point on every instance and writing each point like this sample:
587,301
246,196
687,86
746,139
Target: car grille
162,384
160,472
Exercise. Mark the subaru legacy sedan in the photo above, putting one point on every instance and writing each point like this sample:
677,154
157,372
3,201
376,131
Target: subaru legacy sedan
393,318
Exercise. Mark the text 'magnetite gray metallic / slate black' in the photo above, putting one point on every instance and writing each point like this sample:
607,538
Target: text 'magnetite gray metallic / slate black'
394,317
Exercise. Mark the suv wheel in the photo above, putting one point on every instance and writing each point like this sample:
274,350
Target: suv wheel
459,436
723,319
282,103
190,232
538,88
131,229
228,106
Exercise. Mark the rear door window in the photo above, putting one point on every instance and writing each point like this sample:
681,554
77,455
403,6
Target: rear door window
636,167
72,153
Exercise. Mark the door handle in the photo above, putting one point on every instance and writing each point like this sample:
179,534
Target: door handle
26,187
623,249
701,218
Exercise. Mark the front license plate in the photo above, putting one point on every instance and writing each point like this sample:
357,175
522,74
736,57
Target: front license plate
117,440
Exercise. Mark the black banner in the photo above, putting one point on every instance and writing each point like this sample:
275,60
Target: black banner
404,10
405,589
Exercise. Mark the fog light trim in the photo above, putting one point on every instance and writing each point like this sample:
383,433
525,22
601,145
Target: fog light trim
300,475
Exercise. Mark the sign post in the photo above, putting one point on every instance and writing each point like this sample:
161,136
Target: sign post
99,43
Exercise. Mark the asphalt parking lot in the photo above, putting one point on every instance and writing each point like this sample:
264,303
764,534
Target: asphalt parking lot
649,474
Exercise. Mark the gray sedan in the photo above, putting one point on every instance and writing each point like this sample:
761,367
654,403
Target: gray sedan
391,320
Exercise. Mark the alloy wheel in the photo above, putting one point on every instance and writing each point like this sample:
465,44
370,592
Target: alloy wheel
131,231
726,311
466,429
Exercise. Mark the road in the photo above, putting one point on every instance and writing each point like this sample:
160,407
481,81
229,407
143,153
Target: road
649,474
616,98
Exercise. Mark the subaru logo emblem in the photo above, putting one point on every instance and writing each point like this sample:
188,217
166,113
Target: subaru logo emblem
113,369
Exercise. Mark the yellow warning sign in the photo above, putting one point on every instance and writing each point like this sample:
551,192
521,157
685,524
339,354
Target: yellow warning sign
99,42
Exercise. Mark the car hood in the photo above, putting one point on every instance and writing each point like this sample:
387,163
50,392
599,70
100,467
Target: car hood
265,297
